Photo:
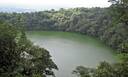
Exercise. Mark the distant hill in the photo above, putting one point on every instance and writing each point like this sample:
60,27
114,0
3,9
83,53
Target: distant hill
18,10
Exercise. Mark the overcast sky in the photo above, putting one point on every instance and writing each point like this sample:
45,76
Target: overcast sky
55,4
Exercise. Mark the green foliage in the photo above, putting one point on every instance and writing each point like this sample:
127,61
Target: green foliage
20,58
116,36
8,52
120,10
103,23
104,70
83,71
123,57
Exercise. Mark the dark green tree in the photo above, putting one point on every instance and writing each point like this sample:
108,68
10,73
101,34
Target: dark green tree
20,58
120,9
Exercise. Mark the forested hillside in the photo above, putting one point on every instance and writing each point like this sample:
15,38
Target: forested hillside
118,29
20,58
98,22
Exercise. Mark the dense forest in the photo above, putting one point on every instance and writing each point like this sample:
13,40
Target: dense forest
98,22
20,58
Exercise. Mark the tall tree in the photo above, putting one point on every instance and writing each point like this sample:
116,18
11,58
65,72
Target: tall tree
121,9
19,57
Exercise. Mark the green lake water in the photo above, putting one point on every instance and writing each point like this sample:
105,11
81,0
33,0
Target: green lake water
69,50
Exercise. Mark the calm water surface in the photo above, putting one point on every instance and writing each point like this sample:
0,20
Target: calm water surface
69,50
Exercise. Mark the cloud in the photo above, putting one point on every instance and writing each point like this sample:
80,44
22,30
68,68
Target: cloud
55,3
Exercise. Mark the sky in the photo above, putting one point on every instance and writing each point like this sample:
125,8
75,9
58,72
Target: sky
53,4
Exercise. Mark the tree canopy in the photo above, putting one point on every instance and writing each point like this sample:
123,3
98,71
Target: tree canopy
104,23
20,58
